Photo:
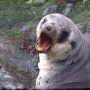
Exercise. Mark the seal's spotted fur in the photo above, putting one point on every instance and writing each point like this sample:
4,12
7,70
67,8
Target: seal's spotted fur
64,54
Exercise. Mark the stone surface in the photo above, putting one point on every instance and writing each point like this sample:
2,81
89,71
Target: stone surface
29,1
40,1
50,9
17,66
88,27
73,1
7,81
85,26
25,28
68,11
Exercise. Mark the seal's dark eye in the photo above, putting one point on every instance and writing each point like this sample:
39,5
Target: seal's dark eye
63,36
49,28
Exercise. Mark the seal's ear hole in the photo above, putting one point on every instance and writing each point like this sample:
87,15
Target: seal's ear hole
45,20
63,36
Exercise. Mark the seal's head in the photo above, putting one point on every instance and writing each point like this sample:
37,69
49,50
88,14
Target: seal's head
56,36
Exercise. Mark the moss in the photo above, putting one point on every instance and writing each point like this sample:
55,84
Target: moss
81,6
82,17
17,12
14,13
52,1
14,33
82,12
33,24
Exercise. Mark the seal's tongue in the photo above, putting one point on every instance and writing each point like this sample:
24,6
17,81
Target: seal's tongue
44,43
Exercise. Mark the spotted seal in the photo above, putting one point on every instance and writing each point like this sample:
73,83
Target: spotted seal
64,53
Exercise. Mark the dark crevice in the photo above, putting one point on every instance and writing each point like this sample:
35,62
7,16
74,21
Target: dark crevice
73,44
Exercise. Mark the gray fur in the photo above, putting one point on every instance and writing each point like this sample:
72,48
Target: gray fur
71,71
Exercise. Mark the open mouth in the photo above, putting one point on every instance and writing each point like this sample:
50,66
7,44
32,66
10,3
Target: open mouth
44,43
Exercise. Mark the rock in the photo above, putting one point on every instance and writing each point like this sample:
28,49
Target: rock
28,28
88,27
82,26
29,1
36,1
40,1
87,35
25,28
50,9
7,81
19,65
85,26
68,1
68,11
73,1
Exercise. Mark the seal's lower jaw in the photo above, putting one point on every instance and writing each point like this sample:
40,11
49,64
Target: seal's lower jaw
44,43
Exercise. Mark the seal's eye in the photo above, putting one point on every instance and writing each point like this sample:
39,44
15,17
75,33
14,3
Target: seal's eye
49,28
63,36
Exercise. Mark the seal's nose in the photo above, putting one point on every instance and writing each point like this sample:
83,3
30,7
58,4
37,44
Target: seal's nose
49,28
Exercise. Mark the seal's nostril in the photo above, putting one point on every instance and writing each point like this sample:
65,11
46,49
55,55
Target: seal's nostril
49,28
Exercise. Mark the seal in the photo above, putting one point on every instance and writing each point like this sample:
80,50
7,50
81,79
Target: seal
64,53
